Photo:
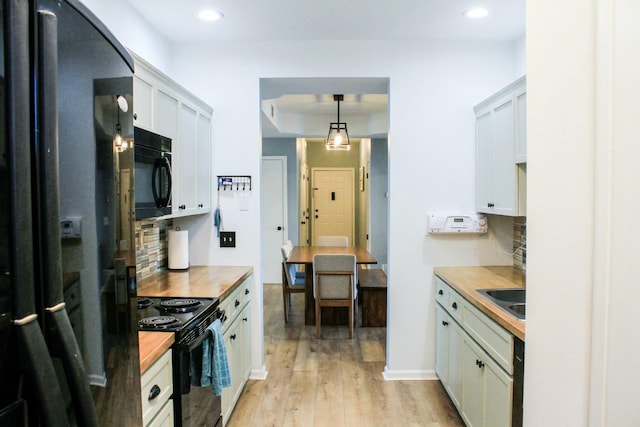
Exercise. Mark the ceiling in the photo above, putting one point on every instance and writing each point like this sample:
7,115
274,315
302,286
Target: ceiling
334,19
278,20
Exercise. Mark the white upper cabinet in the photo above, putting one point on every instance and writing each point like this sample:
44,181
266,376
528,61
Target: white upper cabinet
203,168
521,125
143,101
164,107
165,114
501,152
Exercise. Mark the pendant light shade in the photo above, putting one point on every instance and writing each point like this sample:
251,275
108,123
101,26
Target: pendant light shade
338,134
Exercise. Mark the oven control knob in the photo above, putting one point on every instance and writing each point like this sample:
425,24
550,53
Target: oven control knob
237,303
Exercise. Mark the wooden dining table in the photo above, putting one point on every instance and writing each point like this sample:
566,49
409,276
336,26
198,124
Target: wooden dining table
304,255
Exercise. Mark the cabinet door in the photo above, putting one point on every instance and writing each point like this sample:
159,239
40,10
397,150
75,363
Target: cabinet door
442,345
185,156
143,102
456,353
521,126
504,168
487,389
498,388
449,351
484,161
245,318
165,114
473,384
233,343
203,165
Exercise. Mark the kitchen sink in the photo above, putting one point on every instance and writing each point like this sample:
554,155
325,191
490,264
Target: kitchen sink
511,300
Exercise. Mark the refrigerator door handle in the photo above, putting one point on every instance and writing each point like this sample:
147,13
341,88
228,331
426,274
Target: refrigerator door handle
34,360
60,334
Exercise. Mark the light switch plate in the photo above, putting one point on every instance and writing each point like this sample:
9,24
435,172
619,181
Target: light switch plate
227,239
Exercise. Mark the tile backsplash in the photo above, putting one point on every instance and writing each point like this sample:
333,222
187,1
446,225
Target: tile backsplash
520,242
151,246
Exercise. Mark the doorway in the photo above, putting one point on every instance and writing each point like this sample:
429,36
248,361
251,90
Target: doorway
332,203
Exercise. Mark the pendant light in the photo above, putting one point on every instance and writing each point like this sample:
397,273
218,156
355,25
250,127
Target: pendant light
338,135
119,143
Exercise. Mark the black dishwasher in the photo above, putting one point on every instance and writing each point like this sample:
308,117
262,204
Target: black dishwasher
518,382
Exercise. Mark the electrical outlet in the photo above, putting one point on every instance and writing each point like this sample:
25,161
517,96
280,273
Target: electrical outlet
227,239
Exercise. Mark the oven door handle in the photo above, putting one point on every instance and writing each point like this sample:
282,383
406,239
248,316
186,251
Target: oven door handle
197,342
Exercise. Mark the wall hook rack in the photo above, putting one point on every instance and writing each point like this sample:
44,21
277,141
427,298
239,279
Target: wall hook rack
234,182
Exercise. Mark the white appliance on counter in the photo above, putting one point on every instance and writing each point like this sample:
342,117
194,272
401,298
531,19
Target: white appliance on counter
455,223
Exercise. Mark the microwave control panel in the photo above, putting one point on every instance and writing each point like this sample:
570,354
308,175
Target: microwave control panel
444,223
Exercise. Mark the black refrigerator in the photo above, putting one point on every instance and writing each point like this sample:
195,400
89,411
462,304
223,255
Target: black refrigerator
68,344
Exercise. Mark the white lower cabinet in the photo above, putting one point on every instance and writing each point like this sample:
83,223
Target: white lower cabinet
449,339
236,329
478,380
486,389
157,387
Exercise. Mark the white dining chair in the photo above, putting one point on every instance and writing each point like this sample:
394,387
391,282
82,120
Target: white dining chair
333,241
334,285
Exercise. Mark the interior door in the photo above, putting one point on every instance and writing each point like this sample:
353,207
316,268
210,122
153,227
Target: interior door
333,202
274,216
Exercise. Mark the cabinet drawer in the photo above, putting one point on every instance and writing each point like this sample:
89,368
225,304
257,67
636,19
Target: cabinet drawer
233,304
156,381
442,291
449,299
164,418
495,340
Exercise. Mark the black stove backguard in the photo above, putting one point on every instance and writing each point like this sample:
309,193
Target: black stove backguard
179,315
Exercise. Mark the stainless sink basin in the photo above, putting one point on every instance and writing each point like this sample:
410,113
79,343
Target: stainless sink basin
511,300
518,296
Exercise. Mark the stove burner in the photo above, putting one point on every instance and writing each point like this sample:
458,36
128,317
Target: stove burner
182,305
144,302
158,322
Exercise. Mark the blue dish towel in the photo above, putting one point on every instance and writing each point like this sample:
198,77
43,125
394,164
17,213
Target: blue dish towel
217,220
215,366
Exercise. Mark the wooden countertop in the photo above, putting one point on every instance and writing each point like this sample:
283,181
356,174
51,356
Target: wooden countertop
465,280
152,346
197,282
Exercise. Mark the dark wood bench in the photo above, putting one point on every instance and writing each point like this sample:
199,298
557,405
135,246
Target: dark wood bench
373,294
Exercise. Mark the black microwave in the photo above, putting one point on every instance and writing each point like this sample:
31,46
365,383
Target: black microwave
152,174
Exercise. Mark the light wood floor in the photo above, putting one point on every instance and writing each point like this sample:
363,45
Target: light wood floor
333,381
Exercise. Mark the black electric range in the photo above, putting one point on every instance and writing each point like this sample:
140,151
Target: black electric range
186,317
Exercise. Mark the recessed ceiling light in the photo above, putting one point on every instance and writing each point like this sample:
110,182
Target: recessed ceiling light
210,15
476,13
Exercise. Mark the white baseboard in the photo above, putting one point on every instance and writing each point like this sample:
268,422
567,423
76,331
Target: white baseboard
417,375
259,374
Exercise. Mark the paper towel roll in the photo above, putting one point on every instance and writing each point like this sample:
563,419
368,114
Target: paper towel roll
178,249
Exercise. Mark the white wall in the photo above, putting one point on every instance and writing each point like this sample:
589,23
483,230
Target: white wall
130,28
433,90
582,274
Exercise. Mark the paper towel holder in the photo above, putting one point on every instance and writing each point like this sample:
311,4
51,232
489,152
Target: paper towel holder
178,249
